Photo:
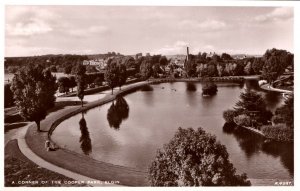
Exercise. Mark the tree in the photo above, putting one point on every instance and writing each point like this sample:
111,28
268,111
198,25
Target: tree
53,68
257,65
194,158
85,140
229,114
63,84
146,69
98,81
190,66
34,92
156,70
226,56
251,102
285,114
68,69
248,69
112,74
122,75
163,61
72,82
216,58
275,63
81,81
212,69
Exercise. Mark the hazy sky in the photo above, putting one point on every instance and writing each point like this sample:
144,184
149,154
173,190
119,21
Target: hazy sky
38,30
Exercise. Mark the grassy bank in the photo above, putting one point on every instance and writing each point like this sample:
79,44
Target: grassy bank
21,172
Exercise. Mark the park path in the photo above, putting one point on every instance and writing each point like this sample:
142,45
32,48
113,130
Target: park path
270,88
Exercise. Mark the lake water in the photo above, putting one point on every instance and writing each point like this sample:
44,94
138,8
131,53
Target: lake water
129,131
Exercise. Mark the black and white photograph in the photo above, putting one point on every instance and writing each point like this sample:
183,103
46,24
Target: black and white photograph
148,95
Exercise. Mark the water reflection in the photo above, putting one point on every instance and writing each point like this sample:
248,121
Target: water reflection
118,111
251,85
146,88
191,87
85,140
285,151
252,143
249,142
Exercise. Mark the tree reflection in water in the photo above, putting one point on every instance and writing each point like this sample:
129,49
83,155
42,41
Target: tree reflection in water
147,88
118,111
252,143
191,87
85,140
251,85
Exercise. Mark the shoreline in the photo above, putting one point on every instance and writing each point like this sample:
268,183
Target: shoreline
91,167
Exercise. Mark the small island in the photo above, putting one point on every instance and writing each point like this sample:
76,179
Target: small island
209,89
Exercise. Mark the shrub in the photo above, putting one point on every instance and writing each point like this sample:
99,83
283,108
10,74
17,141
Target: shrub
243,120
98,81
194,158
228,115
278,132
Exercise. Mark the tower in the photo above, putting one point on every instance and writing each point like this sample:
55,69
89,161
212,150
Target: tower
187,53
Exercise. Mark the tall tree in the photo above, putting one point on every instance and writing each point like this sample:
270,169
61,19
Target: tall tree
163,61
122,75
63,84
194,158
112,74
257,65
248,68
190,66
72,82
252,102
146,69
156,70
81,81
34,92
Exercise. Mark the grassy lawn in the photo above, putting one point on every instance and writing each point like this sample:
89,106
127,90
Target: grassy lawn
21,172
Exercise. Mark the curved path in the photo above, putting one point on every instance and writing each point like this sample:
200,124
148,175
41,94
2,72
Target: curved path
270,88
84,166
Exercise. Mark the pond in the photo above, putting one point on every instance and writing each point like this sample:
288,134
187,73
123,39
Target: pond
129,131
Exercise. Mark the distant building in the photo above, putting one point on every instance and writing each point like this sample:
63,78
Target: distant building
239,56
210,55
138,55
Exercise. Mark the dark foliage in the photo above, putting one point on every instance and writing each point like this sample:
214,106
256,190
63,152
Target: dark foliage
34,89
194,158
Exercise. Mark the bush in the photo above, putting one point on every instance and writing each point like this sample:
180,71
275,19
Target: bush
228,115
98,81
278,132
243,120
194,158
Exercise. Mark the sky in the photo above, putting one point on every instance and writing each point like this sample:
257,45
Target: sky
40,30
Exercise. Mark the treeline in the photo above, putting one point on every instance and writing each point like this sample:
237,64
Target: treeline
91,80
271,65
56,63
